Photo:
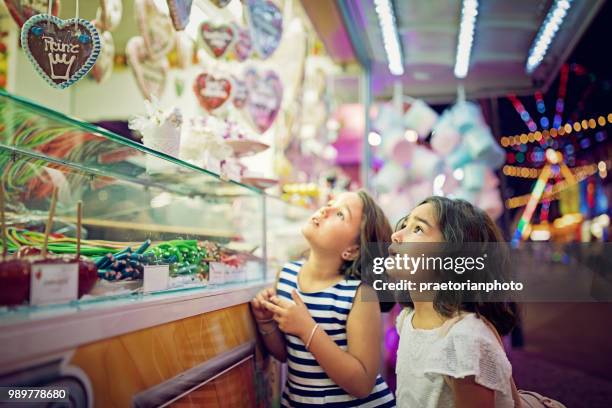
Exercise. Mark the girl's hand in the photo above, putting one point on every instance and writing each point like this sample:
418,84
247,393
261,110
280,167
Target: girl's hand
258,304
292,318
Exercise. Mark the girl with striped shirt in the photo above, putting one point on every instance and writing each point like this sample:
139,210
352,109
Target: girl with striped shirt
315,318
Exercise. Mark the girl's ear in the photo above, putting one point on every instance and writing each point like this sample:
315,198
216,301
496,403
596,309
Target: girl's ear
350,253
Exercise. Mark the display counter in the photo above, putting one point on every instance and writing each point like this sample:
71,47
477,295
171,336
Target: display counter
163,318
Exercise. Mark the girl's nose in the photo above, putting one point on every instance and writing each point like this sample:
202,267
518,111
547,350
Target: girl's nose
396,237
323,212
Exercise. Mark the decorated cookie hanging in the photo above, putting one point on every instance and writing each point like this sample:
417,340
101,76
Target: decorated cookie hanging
265,95
212,92
150,74
22,10
243,45
109,14
266,23
103,67
155,28
217,39
179,12
61,51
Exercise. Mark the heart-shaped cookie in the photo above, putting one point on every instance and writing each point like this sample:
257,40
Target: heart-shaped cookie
239,93
212,92
150,74
22,10
103,68
62,51
243,46
265,95
217,38
109,14
155,28
266,23
179,12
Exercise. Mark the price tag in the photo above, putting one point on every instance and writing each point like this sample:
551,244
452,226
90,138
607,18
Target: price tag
156,278
54,283
217,272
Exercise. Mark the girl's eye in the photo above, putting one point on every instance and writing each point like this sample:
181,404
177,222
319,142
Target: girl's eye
340,214
418,230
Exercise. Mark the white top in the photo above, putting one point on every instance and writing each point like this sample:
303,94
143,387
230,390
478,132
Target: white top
461,348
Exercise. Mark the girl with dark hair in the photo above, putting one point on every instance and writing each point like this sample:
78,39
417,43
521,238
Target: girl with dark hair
316,318
449,355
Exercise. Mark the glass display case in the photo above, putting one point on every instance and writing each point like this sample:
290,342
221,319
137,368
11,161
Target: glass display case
210,232
216,242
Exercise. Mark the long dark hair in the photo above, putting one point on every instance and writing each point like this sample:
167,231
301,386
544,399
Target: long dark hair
461,222
374,235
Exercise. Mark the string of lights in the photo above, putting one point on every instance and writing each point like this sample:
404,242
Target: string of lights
564,130
533,173
553,194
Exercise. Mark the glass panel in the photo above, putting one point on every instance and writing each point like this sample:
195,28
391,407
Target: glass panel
33,129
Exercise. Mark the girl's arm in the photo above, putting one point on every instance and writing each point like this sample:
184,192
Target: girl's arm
354,370
468,394
273,338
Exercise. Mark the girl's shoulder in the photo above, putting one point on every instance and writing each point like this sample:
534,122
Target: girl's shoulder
400,320
472,328
292,268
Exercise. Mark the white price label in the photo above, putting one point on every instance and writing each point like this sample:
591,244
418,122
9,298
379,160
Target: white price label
156,277
216,273
54,283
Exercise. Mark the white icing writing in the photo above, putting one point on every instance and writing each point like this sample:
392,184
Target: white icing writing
59,60
217,39
214,89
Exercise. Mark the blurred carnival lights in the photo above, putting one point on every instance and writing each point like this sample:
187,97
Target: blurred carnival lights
388,27
546,34
469,12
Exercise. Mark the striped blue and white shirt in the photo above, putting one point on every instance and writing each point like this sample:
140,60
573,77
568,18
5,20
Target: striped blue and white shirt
307,383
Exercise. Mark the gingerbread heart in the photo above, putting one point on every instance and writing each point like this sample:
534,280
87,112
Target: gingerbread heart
109,14
155,28
150,75
62,51
103,68
239,93
22,10
212,92
264,99
266,22
217,39
179,12
243,45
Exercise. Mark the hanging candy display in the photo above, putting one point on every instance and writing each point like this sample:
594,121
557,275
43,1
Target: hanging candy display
217,39
266,24
61,51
